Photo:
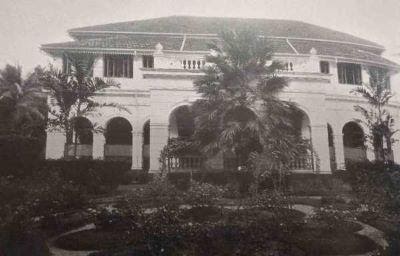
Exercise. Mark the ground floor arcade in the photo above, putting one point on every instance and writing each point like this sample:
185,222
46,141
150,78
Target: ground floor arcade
140,140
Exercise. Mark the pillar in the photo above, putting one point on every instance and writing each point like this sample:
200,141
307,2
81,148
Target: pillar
158,139
55,143
339,149
137,158
98,145
396,151
319,135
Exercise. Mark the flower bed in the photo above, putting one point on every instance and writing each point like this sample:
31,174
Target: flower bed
212,230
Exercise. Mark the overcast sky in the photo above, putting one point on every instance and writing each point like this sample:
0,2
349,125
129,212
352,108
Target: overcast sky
26,24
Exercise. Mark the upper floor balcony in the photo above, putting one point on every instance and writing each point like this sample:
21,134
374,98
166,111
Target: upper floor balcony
305,72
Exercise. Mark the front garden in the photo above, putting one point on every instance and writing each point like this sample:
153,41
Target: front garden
206,219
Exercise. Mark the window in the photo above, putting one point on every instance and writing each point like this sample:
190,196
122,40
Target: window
324,67
148,61
349,73
118,66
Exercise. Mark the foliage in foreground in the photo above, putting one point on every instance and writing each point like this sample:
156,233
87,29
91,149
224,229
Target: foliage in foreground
377,188
376,117
240,112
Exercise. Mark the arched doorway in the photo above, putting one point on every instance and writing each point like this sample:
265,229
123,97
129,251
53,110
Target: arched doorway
181,128
353,143
118,136
181,122
302,128
80,141
146,146
332,154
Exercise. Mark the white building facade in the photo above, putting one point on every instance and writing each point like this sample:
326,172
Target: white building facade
155,62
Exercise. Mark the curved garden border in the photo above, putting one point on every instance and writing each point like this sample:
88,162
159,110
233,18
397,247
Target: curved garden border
368,231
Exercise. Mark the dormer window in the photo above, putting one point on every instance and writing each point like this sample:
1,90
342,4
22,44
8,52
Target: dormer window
118,66
324,67
349,73
148,61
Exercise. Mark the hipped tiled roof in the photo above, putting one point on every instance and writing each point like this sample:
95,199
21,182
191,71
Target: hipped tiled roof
194,34
214,25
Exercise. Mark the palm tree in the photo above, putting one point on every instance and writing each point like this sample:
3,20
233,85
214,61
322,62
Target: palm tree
22,106
72,94
240,112
377,118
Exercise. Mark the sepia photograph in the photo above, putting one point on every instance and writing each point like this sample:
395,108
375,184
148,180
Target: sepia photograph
200,128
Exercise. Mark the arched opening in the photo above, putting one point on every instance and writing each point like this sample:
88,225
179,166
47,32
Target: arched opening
181,122
302,128
353,143
332,154
146,146
80,142
118,136
181,128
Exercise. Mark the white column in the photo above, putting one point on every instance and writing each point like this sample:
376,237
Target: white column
158,139
339,150
396,152
321,149
55,143
137,158
98,145
370,150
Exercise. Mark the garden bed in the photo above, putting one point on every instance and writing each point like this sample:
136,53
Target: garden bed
211,229
323,242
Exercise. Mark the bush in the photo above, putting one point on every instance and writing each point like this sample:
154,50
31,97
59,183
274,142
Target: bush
124,215
96,176
27,204
18,153
203,194
316,185
242,180
376,185
29,243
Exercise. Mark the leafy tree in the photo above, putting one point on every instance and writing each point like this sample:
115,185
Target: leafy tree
22,106
376,117
239,111
72,94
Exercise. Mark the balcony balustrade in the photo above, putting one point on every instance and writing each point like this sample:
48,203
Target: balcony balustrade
78,150
118,152
184,163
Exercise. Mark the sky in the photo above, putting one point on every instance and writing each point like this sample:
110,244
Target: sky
26,24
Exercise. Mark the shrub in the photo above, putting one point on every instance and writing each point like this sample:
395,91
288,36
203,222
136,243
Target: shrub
157,193
376,185
18,153
332,219
221,178
203,194
123,215
316,185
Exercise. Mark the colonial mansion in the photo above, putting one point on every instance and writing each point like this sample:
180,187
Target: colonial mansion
155,62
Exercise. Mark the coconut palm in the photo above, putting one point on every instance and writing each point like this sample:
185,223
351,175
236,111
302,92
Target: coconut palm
377,118
22,106
239,112
72,94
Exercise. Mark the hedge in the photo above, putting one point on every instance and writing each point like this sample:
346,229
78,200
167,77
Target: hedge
95,175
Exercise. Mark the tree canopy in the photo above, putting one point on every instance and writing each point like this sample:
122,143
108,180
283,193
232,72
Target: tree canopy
239,111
